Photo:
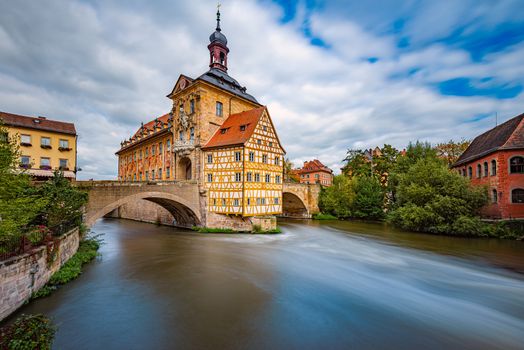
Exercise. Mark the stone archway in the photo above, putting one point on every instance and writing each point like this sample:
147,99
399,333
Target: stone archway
184,170
293,206
183,212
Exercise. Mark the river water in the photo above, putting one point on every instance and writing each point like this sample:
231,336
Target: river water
318,285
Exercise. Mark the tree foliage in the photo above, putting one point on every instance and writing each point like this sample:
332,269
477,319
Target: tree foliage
450,151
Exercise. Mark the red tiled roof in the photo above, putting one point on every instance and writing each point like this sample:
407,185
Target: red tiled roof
149,125
313,166
38,123
508,135
233,135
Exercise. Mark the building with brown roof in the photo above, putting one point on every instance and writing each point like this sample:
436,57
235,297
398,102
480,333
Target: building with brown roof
314,172
496,159
217,135
45,144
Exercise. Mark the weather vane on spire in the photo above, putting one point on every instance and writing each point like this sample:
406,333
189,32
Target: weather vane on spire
218,16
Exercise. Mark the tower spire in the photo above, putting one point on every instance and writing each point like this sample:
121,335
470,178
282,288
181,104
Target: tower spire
218,17
218,49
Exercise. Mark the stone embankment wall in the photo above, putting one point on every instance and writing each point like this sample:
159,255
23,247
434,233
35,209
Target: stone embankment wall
22,275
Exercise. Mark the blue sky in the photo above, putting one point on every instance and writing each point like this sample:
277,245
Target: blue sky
334,74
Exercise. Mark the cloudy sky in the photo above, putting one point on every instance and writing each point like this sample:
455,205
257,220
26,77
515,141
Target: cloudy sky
334,74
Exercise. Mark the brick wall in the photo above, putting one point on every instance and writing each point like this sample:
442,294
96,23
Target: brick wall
22,275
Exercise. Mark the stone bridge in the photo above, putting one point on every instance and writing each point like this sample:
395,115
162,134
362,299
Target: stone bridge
182,199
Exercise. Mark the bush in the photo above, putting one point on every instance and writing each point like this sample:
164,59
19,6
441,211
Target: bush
322,216
369,199
28,332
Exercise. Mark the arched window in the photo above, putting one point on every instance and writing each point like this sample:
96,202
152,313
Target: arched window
516,165
517,195
485,169
470,172
479,171
222,58
494,196
493,167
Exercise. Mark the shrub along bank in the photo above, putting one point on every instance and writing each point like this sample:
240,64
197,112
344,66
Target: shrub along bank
28,332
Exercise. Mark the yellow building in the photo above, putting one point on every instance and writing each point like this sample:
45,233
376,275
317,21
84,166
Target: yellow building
246,171
244,166
45,145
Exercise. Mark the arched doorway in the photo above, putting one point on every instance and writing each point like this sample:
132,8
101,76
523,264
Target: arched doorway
293,206
184,171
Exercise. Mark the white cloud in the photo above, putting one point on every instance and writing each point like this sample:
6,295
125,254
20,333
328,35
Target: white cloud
108,67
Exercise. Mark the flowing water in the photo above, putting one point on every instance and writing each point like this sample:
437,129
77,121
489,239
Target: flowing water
318,285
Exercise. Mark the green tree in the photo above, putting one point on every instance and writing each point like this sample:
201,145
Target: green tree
338,199
357,163
451,150
431,198
369,198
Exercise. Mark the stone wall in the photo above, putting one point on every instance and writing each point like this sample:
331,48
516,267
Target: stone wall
22,275
239,223
145,211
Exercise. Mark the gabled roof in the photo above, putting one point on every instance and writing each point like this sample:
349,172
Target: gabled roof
217,78
508,135
313,166
38,123
233,135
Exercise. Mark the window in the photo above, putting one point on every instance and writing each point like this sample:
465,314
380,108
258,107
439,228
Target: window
277,161
268,178
209,158
140,154
270,144
160,149
218,111
493,167
242,127
517,195
275,200
209,177
259,142
258,201
192,134
238,156
45,142
168,172
486,169
470,172
140,176
168,145
64,144
214,201
516,165
192,106
134,177
147,175
181,109
153,149
152,174
223,202
236,202
25,161
238,177
63,164
251,156
464,172
160,173
45,162
265,128
25,140
479,171
249,177
248,201
263,201
223,130
257,177
494,196
4,137
316,176
181,135
134,156
277,179
147,151
264,158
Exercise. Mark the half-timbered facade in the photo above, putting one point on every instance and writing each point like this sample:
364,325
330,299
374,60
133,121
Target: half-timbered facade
244,166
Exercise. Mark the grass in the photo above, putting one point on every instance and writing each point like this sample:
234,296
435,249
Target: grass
321,216
256,229
87,251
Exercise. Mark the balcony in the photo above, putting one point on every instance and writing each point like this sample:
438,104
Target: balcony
183,147
64,149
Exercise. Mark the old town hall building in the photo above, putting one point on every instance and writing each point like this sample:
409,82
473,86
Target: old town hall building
217,135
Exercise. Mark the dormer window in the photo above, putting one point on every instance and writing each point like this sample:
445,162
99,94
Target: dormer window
223,130
242,127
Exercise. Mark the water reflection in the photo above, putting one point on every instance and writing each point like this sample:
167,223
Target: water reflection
317,285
